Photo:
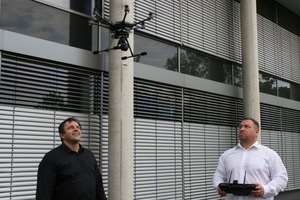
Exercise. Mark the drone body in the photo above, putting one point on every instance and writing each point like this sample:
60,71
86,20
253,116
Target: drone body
120,30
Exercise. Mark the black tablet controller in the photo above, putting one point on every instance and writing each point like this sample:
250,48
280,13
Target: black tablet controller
236,188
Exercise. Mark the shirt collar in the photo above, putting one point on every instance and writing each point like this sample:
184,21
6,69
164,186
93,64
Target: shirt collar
256,145
67,149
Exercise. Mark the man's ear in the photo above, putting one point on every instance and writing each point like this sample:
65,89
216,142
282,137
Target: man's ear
257,131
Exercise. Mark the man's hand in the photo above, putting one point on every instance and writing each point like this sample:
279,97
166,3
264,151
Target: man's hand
221,193
259,190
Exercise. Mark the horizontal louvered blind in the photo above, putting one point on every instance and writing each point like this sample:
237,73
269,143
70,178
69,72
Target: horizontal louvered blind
208,108
224,30
104,149
26,135
278,50
158,155
286,144
202,146
175,160
290,120
155,100
192,30
295,58
205,139
291,157
167,20
270,117
280,132
272,139
267,45
284,54
237,43
294,173
208,26
106,9
158,159
49,86
209,23
36,96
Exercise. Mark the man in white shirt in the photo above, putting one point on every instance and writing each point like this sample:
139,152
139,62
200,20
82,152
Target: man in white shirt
262,166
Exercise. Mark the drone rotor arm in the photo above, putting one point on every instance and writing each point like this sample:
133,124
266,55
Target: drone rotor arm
98,18
142,22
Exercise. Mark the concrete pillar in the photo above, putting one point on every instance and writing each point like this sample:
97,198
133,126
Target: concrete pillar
251,95
120,133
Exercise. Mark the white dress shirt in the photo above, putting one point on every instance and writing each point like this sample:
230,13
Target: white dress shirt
260,164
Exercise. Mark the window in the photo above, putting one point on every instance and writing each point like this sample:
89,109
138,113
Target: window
83,6
197,64
45,22
238,75
267,84
295,94
158,54
193,63
219,71
284,89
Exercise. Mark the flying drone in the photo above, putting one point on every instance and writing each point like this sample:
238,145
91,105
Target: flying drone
119,30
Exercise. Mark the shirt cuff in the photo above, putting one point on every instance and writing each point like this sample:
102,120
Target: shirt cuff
266,190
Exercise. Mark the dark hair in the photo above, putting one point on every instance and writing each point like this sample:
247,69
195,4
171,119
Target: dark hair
253,120
61,127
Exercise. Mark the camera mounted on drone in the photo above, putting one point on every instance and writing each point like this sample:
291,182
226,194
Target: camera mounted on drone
119,30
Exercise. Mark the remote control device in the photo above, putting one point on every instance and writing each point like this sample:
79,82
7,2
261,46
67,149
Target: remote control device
237,188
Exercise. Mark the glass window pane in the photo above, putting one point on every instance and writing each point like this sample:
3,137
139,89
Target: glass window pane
158,54
283,89
193,63
295,92
219,71
267,84
197,64
238,75
83,6
45,22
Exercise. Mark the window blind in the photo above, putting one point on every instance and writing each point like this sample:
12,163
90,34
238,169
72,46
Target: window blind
36,96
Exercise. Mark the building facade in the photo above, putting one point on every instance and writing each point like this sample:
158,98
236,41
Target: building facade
187,90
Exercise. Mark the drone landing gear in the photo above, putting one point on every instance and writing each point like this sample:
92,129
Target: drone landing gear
123,45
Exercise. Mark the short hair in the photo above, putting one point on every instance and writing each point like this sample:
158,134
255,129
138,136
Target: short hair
61,127
253,120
